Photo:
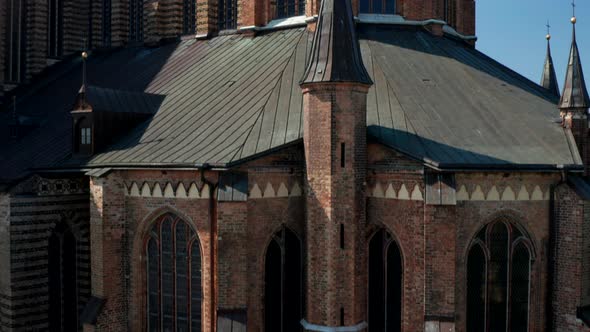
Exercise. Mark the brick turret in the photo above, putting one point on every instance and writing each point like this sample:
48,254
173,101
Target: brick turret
574,101
335,86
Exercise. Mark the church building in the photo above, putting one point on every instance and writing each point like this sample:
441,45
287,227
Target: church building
285,166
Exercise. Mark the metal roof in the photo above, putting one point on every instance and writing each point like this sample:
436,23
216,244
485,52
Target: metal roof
450,105
110,100
233,98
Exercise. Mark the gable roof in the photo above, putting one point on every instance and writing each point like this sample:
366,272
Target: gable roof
233,98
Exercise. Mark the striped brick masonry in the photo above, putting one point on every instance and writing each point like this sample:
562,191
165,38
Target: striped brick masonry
26,223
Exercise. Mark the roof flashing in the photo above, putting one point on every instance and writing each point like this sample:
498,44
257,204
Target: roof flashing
400,20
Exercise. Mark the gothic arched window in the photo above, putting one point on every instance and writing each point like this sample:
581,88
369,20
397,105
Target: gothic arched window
228,14
288,8
498,279
188,17
136,20
16,52
63,282
173,268
106,23
450,12
283,293
377,7
385,284
55,28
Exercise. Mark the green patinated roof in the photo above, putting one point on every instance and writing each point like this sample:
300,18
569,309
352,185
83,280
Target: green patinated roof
233,98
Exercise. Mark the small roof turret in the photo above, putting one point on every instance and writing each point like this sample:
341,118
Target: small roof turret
549,78
575,94
335,53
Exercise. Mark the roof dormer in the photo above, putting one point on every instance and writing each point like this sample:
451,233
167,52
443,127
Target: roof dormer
102,115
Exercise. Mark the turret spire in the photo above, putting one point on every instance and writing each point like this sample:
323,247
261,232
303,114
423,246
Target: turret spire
575,94
549,79
335,53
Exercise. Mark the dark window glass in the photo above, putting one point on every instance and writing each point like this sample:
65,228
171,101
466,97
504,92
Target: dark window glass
498,280
189,17
519,297
385,284
136,20
377,6
498,274
106,23
476,290
450,12
16,40
301,5
169,282
85,136
63,284
283,283
152,281
228,14
55,28
288,8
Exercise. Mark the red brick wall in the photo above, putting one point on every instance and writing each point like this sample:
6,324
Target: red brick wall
434,240
404,221
532,216
119,225
571,222
335,114
265,218
244,230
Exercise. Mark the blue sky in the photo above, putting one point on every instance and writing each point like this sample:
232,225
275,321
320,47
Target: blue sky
513,33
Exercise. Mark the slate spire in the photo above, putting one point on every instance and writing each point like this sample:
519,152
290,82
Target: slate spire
549,79
335,52
575,94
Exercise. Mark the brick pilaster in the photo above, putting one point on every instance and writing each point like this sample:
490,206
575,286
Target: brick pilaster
571,221
335,118
439,259
109,251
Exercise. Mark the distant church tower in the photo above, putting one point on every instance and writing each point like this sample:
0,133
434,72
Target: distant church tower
549,79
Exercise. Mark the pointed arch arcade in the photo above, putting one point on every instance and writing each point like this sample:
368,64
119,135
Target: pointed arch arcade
283,293
385,283
498,279
173,276
63,279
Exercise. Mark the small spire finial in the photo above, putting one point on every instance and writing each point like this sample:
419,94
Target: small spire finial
548,36
574,19
84,57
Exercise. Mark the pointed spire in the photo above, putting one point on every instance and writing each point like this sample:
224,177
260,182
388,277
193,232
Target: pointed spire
549,79
575,94
81,102
335,53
